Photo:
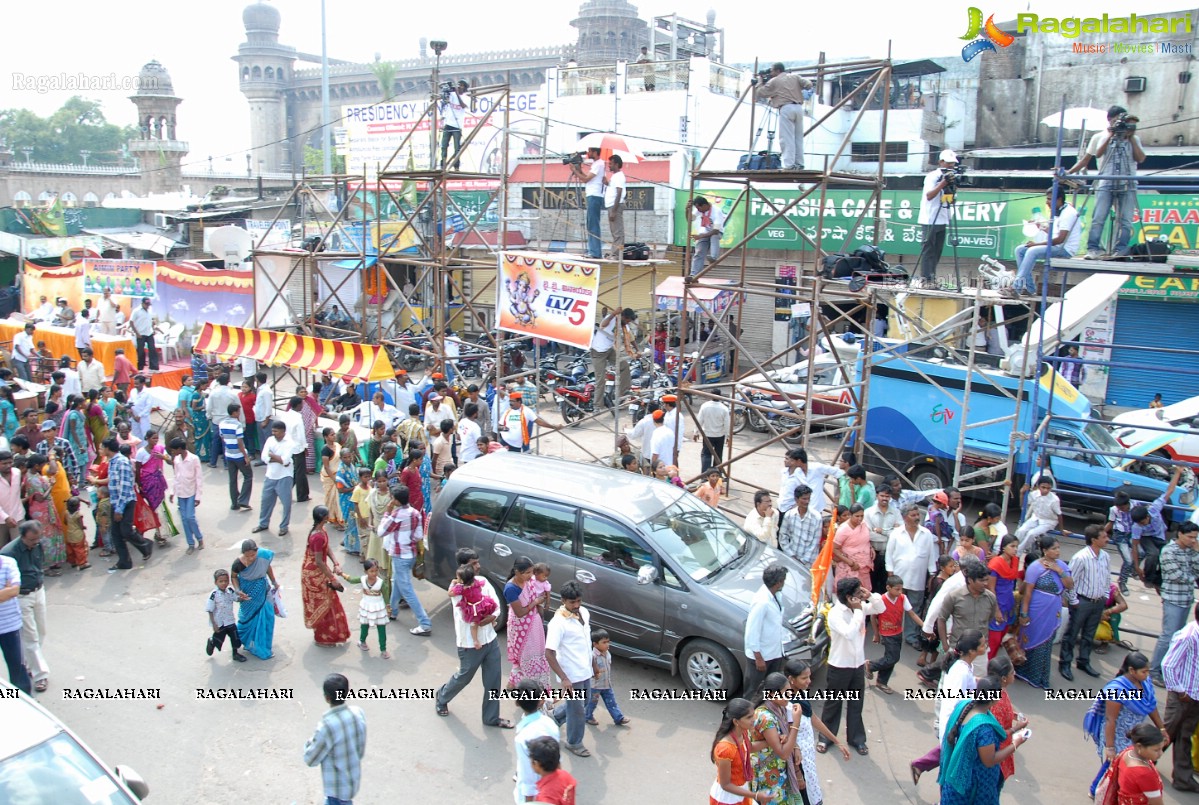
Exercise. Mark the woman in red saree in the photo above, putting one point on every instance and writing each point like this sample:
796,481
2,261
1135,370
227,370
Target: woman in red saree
323,613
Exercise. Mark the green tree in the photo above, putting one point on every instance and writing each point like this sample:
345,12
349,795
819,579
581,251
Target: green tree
385,74
314,163
79,125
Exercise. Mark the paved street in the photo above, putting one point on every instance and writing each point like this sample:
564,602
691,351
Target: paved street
146,628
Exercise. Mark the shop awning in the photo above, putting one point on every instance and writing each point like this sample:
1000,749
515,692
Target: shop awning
240,342
338,358
716,296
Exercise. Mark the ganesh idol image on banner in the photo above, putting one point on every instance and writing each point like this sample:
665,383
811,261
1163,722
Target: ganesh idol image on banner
546,297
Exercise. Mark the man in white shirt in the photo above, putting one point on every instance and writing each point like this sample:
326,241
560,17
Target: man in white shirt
881,519
436,412
934,215
1119,152
713,418
469,433
642,433
811,474
1067,234
516,422
762,520
911,554
298,438
142,322
453,117
568,652
141,405
707,227
264,407
83,331
107,313
471,659
22,351
70,379
604,352
44,311
847,658
614,202
277,454
593,186
379,411
661,444
220,397
764,631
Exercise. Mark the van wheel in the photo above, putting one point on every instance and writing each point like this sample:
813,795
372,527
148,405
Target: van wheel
927,478
707,666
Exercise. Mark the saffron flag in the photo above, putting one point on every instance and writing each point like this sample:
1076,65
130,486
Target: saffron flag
823,563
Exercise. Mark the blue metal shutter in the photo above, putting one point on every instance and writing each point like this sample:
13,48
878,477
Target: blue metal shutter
1147,323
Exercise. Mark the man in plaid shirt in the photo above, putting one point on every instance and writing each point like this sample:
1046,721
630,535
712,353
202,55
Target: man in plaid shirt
338,744
124,498
65,453
799,535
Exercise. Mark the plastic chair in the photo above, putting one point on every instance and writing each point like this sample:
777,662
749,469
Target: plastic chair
170,341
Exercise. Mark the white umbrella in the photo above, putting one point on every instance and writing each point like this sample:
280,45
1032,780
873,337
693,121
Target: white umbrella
1078,117
610,144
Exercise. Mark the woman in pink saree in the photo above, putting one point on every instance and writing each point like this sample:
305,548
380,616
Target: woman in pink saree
526,633
852,554
310,411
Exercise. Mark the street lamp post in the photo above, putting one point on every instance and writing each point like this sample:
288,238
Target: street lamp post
439,47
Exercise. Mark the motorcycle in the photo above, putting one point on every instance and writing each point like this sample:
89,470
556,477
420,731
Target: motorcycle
780,419
576,402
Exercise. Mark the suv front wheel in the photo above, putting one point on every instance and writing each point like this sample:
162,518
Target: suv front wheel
704,665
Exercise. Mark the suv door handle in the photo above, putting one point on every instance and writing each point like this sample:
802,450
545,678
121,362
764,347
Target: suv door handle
501,549
584,576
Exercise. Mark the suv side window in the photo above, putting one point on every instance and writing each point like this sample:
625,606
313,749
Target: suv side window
612,545
481,507
547,524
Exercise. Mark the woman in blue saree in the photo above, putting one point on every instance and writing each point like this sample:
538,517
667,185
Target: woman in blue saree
74,430
191,400
256,616
347,479
1046,578
970,753
1123,703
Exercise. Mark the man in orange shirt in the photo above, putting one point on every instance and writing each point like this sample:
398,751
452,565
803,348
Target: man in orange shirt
122,371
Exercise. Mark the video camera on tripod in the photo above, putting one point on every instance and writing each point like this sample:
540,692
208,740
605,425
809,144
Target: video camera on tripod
1125,124
574,159
446,88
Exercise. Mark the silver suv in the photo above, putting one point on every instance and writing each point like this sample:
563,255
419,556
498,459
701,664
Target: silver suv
668,577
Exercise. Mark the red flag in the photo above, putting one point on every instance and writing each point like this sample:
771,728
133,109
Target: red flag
823,563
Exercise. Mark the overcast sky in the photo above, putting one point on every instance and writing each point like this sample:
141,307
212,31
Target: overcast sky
195,42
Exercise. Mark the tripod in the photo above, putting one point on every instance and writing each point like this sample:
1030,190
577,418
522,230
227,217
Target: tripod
769,124
948,199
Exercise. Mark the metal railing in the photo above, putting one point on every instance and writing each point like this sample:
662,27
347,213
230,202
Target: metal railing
587,80
657,76
725,80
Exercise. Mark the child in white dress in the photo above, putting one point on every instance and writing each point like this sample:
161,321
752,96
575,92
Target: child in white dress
372,610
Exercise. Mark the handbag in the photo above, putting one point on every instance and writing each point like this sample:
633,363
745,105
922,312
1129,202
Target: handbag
277,602
418,567
144,519
1107,792
1015,652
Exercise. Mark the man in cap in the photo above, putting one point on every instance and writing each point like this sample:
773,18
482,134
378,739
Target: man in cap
934,215
401,390
938,522
661,445
603,351
515,423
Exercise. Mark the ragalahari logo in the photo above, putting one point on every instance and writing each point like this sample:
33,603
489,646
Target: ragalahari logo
983,37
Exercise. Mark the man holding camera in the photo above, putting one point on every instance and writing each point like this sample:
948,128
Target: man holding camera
934,214
785,92
453,117
593,184
1119,152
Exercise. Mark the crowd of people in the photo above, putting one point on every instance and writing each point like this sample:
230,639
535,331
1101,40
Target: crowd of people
982,607
86,472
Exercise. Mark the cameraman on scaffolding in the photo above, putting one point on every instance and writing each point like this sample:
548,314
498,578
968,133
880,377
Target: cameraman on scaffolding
453,117
785,92
593,184
1119,152
934,216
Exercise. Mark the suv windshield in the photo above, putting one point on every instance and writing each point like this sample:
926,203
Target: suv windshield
699,538
1103,441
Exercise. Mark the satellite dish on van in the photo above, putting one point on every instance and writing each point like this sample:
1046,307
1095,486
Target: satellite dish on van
230,243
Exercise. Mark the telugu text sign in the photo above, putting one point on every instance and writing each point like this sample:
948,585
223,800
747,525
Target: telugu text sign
545,297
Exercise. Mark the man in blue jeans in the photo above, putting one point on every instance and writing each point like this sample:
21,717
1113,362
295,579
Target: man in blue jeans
1067,233
402,532
1179,562
593,185
568,652
1118,151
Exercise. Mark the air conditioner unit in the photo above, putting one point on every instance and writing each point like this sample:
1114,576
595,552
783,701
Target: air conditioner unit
1134,83
162,221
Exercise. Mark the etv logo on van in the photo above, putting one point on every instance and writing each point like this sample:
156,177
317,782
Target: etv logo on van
990,35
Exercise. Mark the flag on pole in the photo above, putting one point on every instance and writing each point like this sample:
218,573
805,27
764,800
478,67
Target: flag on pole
50,221
823,563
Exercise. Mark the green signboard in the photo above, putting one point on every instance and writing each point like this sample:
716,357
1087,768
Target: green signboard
987,223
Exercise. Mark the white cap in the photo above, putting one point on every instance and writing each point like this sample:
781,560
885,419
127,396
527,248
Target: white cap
948,155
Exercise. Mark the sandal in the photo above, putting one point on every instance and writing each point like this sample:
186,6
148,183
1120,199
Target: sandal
364,647
862,750
53,572
503,724
624,722
442,710
85,565
593,722
106,552
386,655
884,688
869,671
578,751
821,747
41,685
